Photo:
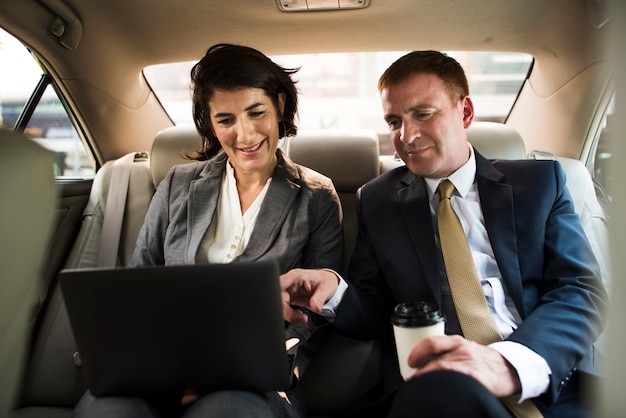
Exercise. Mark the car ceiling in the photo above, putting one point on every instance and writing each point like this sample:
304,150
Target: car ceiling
120,37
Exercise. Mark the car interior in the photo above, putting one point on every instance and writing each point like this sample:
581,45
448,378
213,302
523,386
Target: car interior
98,58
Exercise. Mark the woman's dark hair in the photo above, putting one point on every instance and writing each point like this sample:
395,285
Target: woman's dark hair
229,67
428,62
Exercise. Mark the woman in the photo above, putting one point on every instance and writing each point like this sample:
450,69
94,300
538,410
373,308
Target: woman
242,200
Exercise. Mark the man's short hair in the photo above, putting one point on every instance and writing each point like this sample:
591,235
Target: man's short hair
428,62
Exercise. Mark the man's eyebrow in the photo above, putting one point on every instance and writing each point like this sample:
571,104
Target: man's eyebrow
412,109
420,108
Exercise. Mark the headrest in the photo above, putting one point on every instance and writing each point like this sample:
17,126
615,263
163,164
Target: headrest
169,148
496,141
348,157
325,151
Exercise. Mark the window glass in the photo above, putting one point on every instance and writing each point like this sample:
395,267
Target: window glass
49,124
603,157
339,90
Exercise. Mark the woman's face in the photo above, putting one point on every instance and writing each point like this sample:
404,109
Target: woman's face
245,122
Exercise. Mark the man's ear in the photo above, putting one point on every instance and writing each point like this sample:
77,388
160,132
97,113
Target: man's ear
468,111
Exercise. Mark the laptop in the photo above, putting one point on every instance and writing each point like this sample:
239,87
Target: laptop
160,330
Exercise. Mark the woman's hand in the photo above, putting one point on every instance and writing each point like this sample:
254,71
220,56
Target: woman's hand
191,396
188,398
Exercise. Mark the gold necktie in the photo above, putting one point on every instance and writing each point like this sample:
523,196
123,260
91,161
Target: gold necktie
475,318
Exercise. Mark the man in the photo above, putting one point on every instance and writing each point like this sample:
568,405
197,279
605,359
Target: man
536,268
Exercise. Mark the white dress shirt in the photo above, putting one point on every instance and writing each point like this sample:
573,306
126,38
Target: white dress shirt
230,230
532,369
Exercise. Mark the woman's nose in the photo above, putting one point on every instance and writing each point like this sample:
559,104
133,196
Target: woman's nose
246,130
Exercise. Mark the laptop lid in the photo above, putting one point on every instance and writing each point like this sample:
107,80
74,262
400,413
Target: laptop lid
159,330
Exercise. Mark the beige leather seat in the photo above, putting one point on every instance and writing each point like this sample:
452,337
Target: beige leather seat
27,205
350,158
492,140
54,375
344,369
170,147
592,215
594,221
496,141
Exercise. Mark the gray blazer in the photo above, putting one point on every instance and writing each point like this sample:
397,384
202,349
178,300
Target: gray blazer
299,223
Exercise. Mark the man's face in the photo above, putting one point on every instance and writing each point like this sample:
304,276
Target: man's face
426,128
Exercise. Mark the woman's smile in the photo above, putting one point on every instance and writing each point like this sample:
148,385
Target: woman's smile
252,149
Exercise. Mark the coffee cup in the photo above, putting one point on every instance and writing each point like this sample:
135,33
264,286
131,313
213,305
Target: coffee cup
413,321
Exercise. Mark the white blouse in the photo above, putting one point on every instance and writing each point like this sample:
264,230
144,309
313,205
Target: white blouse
230,231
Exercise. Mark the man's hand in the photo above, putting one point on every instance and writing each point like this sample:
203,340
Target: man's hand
453,352
307,289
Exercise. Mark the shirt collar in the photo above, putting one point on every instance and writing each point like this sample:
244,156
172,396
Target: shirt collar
463,178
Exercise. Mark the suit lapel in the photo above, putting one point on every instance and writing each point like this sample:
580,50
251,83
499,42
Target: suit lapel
278,202
203,195
415,207
496,199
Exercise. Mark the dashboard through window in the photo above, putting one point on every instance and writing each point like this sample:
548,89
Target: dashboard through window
339,90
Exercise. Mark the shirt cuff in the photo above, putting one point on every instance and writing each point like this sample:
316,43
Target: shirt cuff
329,310
532,369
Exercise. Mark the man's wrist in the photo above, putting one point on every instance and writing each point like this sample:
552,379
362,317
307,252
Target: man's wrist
532,370
329,310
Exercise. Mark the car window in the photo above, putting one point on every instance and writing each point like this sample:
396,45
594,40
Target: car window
46,121
339,90
602,159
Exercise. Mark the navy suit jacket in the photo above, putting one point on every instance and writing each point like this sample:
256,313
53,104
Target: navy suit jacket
547,264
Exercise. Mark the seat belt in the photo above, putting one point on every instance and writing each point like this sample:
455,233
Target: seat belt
114,210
